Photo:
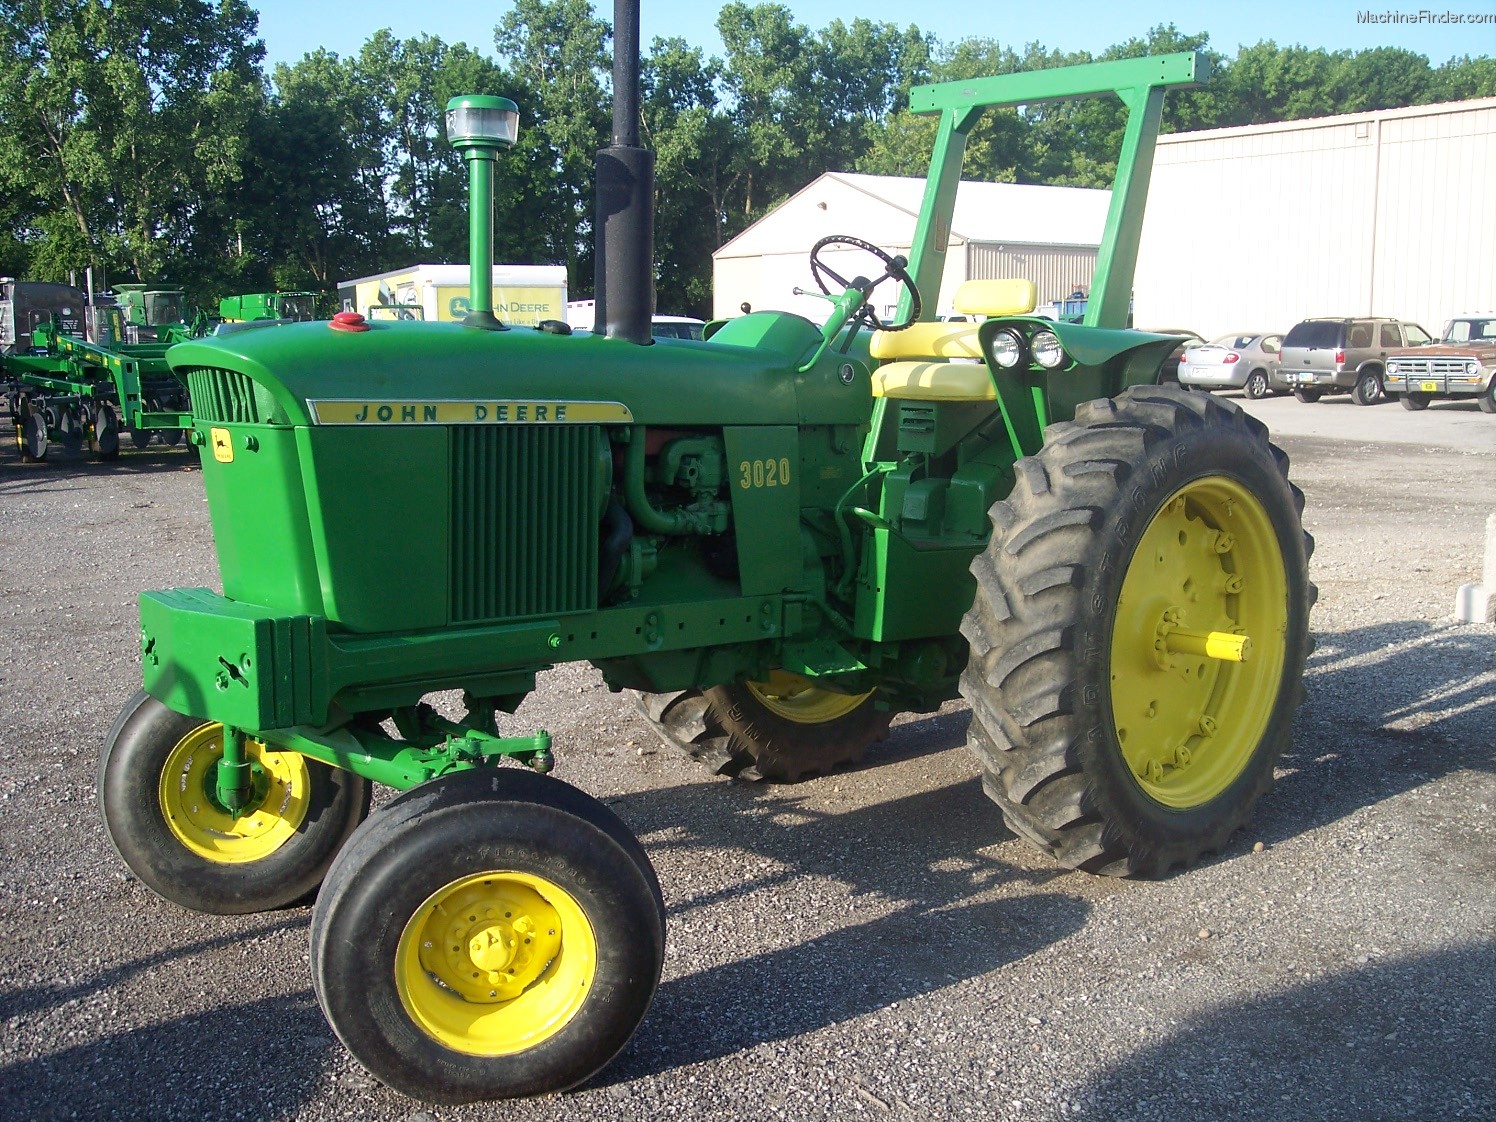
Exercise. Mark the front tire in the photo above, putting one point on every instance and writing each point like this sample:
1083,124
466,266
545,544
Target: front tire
1368,389
782,729
155,788
489,934
1308,397
1487,400
1153,524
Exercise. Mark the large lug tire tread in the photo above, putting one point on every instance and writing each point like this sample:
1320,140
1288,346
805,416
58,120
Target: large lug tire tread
1041,723
476,821
730,732
129,776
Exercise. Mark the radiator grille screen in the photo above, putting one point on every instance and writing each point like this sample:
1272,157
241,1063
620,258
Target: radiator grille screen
225,396
524,521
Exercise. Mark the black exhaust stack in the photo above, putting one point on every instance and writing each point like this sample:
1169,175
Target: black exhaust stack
624,281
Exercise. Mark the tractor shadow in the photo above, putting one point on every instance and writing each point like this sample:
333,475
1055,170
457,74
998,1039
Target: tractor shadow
278,1051
40,999
1410,1038
1389,708
921,861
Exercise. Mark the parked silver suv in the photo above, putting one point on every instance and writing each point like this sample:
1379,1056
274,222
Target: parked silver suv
1323,356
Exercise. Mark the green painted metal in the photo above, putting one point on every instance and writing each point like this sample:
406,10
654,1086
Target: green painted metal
300,306
1139,82
418,507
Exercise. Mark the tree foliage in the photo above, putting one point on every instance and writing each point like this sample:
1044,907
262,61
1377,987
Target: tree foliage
144,137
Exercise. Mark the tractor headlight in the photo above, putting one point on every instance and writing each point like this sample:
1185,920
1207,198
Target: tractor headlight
1047,350
1007,349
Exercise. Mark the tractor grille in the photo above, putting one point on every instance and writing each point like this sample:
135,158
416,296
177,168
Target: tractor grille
225,396
525,508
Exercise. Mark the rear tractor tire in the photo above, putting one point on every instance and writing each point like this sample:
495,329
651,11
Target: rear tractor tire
489,934
156,788
1139,632
783,729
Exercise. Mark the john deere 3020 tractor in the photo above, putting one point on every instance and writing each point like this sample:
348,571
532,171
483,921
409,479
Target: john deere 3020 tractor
776,538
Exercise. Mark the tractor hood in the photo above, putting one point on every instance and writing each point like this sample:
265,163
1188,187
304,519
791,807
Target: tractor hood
397,372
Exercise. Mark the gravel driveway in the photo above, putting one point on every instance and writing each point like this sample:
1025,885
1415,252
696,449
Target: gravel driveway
869,945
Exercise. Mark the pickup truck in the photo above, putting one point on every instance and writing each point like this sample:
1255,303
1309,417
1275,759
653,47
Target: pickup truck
1461,364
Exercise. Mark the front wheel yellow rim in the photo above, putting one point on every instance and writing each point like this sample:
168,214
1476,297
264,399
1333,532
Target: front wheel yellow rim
195,818
496,963
1198,638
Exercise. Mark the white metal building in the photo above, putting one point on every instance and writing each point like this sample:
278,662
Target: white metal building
1390,213
1047,234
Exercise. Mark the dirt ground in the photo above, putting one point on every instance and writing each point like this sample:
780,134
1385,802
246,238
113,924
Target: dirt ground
873,944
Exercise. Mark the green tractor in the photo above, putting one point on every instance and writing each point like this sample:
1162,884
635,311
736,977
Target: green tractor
776,538
293,307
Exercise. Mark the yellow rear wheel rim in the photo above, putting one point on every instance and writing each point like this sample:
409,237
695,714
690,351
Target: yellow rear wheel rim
797,699
195,818
1208,563
496,963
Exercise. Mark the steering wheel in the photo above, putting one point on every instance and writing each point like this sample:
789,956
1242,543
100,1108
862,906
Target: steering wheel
895,267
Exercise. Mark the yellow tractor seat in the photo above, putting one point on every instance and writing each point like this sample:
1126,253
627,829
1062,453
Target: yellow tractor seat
921,376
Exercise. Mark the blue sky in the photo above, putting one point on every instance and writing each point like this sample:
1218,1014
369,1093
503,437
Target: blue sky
290,29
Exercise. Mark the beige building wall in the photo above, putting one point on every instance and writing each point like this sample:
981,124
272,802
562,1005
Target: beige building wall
1390,213
1056,271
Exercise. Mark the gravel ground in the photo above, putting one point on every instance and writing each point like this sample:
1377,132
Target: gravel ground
869,945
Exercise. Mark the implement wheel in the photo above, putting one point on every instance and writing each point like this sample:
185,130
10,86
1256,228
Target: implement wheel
31,436
783,729
1139,632
103,439
156,786
489,934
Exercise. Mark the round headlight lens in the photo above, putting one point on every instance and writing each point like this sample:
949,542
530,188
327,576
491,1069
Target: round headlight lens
1472,368
1007,349
1392,368
1047,350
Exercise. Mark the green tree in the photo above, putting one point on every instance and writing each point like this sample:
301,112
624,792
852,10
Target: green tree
557,49
124,116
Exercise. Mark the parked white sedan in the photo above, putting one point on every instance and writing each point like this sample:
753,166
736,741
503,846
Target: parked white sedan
1243,361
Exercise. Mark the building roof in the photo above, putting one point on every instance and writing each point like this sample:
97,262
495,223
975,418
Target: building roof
985,212
1438,109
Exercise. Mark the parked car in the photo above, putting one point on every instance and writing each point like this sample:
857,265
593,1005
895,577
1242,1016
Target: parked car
1346,355
1169,371
676,327
1243,361
1461,364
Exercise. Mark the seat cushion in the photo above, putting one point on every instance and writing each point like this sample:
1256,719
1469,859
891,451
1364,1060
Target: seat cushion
927,340
933,381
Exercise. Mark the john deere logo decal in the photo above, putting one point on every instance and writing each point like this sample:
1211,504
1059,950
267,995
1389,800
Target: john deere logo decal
470,412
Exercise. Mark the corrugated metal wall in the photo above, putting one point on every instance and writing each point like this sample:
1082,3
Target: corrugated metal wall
1389,213
1056,270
